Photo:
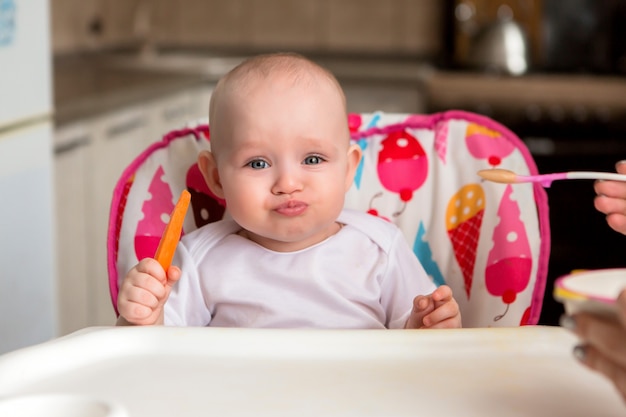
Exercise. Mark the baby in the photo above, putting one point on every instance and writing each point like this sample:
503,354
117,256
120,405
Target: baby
289,255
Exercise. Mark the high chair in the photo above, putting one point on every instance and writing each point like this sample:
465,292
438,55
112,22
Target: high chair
489,242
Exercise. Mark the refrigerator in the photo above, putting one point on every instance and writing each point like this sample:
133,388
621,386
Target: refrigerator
28,307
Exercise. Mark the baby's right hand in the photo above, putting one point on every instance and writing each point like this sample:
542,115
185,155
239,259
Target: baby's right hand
144,291
611,200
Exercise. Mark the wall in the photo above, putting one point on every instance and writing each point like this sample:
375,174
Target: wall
402,27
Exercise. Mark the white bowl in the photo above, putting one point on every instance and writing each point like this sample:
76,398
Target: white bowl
592,291
59,405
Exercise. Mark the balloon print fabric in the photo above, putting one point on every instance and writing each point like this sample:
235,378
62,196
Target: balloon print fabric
485,240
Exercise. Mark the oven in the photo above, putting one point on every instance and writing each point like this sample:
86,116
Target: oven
569,123
556,35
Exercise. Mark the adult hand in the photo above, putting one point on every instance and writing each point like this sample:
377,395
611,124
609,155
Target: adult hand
603,343
611,200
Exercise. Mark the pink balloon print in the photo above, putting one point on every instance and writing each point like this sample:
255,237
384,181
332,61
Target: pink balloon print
156,210
354,122
441,133
484,143
509,262
402,165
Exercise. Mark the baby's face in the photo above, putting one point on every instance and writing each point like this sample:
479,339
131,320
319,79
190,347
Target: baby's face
285,162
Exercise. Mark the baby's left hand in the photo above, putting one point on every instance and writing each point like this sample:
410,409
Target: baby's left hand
438,310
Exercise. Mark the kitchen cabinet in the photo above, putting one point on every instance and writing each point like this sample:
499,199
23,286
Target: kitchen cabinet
119,137
391,86
406,27
179,109
303,30
124,21
170,113
72,178
90,156
76,25
368,97
199,99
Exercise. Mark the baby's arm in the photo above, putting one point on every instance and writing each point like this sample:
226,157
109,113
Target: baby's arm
438,310
611,200
143,293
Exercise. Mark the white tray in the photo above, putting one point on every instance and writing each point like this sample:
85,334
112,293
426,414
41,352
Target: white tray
161,371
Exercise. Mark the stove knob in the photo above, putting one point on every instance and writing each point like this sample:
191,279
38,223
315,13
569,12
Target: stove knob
484,108
533,112
580,113
556,113
603,114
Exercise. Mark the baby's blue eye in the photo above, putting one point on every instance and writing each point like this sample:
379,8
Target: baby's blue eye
313,160
258,164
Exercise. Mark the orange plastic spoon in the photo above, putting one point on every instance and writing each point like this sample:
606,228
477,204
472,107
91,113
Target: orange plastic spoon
171,236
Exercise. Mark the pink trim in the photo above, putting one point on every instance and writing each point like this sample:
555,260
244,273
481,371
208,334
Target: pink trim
118,191
541,197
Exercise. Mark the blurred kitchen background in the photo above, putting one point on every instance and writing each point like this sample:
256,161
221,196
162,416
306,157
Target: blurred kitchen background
122,72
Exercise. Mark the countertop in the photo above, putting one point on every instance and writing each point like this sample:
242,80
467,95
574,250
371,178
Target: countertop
91,84
86,86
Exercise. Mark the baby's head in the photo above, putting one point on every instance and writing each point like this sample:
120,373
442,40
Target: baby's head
280,150
263,77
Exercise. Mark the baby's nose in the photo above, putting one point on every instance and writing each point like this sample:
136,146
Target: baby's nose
287,181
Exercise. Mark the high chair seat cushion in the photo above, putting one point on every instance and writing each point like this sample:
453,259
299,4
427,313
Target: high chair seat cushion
489,242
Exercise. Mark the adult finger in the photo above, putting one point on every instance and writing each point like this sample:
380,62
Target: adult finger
608,204
621,308
607,336
594,359
617,222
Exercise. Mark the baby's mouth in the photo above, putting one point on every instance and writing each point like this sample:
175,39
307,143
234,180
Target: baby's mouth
291,208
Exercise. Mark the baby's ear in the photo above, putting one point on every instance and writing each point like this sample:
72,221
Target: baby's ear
208,167
354,158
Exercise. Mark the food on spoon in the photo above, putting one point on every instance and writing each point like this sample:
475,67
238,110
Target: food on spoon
503,176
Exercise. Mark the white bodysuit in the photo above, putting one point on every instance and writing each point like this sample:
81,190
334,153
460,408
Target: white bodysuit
363,277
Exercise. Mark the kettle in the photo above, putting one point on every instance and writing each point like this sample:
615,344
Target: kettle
500,47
